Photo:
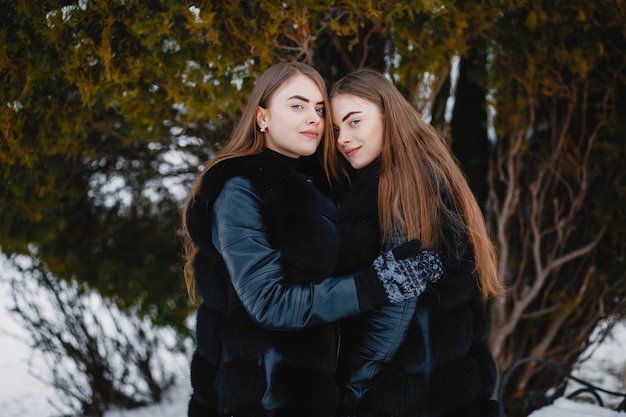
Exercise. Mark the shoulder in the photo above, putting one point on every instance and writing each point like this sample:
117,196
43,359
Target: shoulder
236,193
250,170
211,184
236,213
237,184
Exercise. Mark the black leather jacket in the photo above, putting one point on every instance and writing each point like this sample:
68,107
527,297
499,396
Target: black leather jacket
266,337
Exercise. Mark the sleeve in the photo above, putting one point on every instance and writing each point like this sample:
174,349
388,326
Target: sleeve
385,330
256,273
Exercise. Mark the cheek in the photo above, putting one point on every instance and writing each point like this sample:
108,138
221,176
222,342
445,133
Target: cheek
378,144
379,148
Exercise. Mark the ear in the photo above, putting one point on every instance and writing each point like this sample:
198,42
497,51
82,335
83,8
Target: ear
262,117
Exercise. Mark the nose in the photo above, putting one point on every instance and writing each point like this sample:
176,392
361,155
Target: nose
341,138
314,118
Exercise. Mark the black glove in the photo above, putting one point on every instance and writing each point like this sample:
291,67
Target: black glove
405,270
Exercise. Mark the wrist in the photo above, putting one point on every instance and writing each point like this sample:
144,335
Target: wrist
370,290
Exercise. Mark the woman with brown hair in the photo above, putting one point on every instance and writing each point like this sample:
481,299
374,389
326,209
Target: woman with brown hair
261,253
424,357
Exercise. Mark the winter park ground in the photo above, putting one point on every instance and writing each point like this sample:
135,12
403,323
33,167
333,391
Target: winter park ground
25,393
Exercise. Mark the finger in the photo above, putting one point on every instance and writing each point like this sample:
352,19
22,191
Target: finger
408,249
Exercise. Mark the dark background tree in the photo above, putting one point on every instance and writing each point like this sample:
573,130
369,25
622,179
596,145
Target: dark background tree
110,108
556,189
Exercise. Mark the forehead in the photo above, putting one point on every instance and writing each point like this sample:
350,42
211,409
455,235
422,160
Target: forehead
343,104
300,85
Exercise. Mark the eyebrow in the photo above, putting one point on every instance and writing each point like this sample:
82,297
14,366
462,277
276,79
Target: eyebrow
349,114
304,99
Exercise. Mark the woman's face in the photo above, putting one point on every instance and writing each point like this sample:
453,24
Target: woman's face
294,118
358,126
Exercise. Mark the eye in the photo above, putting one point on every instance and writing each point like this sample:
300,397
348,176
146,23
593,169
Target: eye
354,122
297,106
321,111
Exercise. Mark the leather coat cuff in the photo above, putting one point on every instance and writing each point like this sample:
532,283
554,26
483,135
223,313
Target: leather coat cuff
370,291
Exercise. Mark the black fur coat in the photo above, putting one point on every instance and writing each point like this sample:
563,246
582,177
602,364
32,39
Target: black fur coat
444,367
227,379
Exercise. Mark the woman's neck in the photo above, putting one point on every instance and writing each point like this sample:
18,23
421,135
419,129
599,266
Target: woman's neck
292,163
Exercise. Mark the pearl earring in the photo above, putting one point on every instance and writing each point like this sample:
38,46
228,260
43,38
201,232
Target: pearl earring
262,129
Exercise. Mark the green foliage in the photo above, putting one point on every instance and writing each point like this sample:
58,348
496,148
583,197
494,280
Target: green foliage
96,92
89,87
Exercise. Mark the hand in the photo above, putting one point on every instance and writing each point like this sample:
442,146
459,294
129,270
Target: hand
405,270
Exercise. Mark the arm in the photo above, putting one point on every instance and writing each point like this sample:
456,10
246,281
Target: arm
255,269
256,272
386,327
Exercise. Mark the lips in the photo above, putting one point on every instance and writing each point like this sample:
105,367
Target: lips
313,134
350,152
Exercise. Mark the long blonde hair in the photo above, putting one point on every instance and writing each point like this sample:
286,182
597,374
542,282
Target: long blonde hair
421,184
248,140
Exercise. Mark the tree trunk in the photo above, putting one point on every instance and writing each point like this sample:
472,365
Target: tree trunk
470,143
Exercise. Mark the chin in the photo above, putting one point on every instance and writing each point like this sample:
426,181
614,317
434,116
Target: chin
308,152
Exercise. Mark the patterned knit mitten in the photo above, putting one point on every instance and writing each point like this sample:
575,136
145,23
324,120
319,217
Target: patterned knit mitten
406,277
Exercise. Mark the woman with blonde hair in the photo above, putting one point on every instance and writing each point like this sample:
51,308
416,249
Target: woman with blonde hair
406,184
262,245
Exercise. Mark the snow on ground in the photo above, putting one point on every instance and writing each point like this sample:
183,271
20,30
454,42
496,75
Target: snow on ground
24,393
568,408
607,365
21,393
604,369
175,405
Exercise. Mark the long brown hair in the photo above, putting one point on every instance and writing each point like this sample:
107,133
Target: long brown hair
421,184
248,140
